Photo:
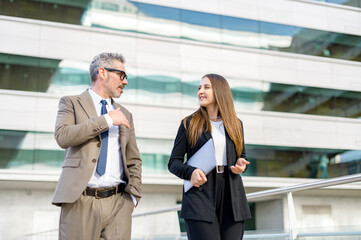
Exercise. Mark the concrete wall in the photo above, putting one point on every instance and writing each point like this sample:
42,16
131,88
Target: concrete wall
269,214
24,212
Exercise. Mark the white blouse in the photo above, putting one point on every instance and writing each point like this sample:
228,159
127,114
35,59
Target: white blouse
219,140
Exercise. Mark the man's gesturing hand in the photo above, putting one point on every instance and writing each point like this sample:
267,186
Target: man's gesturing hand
118,118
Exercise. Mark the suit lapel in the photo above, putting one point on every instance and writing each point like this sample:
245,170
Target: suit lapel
230,150
121,128
86,102
203,139
122,136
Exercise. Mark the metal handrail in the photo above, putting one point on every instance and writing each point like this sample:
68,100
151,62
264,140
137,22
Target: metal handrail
176,208
307,186
273,192
278,191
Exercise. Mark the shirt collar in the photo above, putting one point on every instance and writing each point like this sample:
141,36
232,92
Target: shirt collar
96,98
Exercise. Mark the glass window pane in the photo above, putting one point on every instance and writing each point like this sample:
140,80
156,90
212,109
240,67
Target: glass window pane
273,161
159,88
120,15
29,150
201,26
158,20
132,16
67,77
313,42
240,32
201,18
345,46
353,3
26,73
277,37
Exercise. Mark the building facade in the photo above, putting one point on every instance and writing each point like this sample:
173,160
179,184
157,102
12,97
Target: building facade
293,67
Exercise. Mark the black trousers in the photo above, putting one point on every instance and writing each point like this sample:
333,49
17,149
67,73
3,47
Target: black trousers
225,228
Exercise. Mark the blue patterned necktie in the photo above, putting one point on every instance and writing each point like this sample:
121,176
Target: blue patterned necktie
102,162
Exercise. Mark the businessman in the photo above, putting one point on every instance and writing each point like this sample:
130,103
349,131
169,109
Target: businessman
100,182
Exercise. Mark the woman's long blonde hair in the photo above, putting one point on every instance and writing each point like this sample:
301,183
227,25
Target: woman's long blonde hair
224,100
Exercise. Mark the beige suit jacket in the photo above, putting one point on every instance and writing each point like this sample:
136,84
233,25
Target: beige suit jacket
77,130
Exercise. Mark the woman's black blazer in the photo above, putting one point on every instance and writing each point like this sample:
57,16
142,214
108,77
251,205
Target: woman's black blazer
199,203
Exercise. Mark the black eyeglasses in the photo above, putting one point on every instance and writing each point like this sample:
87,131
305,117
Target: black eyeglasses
123,75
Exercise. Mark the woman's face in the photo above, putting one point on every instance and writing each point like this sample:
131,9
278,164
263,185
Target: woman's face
205,93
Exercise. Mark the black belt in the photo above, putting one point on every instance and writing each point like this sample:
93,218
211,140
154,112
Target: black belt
104,192
221,168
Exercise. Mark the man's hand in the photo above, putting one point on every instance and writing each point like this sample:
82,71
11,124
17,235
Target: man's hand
240,166
198,178
118,118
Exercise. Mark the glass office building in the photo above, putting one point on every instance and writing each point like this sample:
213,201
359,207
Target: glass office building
293,67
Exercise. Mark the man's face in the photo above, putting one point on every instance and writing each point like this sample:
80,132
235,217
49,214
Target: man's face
115,81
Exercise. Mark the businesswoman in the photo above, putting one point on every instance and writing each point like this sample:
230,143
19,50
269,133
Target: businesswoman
216,206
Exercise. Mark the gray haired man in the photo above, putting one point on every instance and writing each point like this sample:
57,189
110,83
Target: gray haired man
100,182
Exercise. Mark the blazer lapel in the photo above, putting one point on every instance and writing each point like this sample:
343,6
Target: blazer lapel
122,128
86,102
122,136
230,151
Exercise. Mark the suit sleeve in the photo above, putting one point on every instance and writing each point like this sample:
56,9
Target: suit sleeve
68,133
134,163
243,154
176,162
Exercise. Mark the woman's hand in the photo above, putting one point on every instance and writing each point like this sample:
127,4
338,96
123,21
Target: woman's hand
240,166
198,178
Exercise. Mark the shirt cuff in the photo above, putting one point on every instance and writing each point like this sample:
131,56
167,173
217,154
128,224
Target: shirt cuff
109,120
134,200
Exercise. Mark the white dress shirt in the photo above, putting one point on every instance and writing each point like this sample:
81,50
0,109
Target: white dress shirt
219,140
114,167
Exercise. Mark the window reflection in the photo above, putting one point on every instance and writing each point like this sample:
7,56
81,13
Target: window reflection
270,161
66,77
172,22
313,42
26,73
248,95
240,32
200,26
29,150
56,11
352,3
39,151
158,89
343,46
350,159
311,100
277,37
158,20
70,77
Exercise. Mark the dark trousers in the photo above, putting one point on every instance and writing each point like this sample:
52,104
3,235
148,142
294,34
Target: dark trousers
225,228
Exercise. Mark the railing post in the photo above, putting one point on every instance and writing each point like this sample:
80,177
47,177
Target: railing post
292,217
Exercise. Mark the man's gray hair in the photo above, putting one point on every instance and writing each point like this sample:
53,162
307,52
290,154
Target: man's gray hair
103,60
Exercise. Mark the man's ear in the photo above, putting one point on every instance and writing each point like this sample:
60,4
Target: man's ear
102,73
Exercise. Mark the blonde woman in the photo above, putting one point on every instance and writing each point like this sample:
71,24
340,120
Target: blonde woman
216,206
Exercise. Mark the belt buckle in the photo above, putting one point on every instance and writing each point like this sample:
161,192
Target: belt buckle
96,194
220,169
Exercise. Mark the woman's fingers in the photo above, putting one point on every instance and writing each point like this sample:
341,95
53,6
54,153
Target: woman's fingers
240,166
241,161
198,178
203,177
236,169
